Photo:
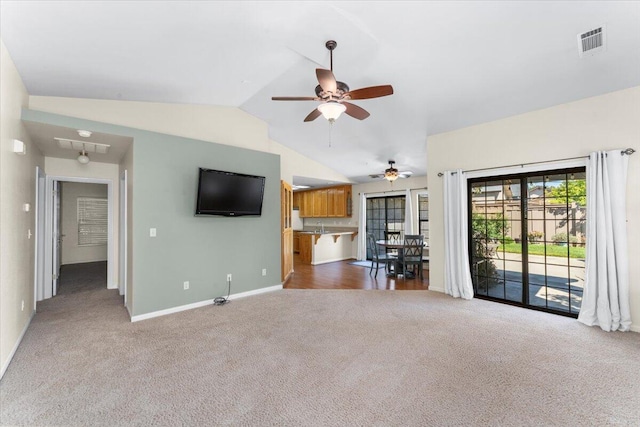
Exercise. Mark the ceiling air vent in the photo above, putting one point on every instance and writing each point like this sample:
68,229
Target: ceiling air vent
591,42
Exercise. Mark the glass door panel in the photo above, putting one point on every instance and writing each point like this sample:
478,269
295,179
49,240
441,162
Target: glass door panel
495,220
529,249
384,215
553,283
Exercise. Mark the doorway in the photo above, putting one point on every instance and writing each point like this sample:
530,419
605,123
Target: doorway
527,238
78,229
83,237
286,209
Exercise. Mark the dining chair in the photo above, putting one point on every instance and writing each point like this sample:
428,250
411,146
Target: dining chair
412,252
377,258
395,237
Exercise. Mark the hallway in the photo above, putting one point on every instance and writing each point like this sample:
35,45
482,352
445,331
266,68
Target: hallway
82,277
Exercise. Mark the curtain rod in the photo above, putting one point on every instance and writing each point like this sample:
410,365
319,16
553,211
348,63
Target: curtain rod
395,191
628,152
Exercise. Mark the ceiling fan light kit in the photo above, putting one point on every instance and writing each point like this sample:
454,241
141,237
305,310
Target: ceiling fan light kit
391,174
334,95
83,158
331,110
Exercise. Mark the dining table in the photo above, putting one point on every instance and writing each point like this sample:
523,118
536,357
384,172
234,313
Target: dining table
399,245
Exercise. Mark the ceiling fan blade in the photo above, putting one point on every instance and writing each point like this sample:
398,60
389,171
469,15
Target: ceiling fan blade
295,98
327,80
355,111
371,92
313,115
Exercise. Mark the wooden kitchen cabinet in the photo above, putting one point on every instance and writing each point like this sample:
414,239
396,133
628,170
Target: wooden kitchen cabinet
337,207
296,242
306,204
306,248
296,199
320,203
330,202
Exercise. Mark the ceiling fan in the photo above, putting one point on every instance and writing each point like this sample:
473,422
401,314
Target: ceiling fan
334,95
391,173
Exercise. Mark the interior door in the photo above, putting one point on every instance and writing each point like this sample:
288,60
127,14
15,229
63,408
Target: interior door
57,236
40,233
286,205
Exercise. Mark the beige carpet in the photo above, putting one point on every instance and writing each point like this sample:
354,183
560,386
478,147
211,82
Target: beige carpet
319,358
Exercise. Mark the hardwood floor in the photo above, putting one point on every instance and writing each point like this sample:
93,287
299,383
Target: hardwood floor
342,275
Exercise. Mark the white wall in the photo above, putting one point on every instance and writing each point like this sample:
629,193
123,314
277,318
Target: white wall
575,129
293,164
71,253
17,186
222,125
72,168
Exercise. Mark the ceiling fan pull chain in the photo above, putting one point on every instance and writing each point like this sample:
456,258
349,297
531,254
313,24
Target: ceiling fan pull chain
330,133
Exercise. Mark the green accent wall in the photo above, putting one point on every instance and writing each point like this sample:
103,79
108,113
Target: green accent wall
201,250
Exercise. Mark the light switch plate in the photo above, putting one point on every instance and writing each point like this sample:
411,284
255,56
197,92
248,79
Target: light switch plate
152,232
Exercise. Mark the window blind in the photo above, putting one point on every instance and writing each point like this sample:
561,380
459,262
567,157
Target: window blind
92,221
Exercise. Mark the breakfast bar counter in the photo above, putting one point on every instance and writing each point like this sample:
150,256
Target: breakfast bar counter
320,248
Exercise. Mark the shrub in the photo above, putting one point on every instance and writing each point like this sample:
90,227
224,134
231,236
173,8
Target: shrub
534,236
490,229
562,238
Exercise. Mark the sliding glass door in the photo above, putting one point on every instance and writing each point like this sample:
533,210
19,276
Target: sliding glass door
527,239
384,215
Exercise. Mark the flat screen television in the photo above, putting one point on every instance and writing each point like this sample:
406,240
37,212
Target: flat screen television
229,193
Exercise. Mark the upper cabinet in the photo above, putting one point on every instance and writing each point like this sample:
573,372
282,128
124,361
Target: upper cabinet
297,195
320,203
331,202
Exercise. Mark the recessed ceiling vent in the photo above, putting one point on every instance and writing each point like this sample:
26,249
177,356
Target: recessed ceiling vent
591,42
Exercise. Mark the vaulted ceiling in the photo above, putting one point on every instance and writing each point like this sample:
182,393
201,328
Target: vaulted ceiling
452,64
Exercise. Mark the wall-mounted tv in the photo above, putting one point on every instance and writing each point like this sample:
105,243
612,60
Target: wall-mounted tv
229,193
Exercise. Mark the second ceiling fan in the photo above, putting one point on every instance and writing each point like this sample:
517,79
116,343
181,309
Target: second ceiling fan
335,95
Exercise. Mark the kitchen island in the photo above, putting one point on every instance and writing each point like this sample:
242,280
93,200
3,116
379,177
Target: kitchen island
320,248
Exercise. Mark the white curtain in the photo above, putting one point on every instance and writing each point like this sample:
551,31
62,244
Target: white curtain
408,214
605,300
362,228
457,277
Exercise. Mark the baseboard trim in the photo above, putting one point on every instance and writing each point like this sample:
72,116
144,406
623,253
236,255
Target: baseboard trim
204,303
332,260
634,328
256,292
436,289
15,347
85,262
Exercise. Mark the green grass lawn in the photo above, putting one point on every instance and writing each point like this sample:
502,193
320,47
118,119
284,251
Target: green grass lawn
552,250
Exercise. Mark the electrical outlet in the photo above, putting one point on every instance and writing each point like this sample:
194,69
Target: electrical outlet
22,305
185,285
229,277
264,271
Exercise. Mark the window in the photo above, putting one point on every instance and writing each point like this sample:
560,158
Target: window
423,216
92,221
